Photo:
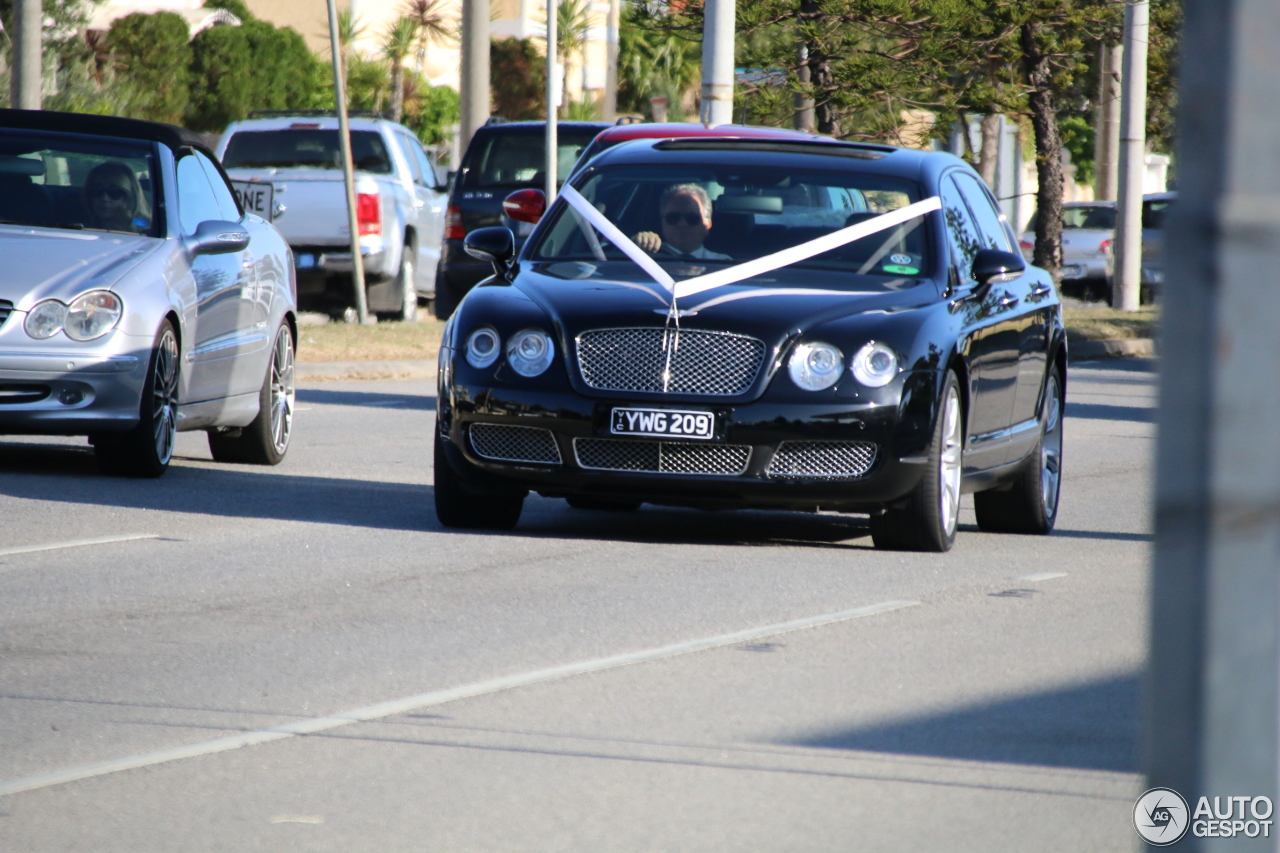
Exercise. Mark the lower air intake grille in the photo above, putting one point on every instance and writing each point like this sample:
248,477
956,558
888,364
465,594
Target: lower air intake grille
825,460
662,457
6,308
514,443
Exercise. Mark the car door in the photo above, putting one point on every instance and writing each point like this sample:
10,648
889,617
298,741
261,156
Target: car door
991,336
210,355
424,207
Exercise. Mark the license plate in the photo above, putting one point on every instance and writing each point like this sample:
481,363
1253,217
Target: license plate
663,423
255,197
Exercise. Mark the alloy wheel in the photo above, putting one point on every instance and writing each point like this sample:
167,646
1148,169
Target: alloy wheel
950,461
164,397
1051,447
282,391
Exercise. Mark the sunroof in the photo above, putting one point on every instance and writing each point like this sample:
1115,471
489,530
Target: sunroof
786,146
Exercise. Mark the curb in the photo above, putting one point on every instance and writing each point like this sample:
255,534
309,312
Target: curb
425,368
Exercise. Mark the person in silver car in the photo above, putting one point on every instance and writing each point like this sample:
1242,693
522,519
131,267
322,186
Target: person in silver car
114,199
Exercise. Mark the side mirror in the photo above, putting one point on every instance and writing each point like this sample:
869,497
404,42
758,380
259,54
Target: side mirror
525,205
496,245
217,237
994,266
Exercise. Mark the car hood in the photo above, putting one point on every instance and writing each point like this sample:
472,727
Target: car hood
773,307
44,263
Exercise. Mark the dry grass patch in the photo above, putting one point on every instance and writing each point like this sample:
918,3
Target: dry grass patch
380,342
1087,322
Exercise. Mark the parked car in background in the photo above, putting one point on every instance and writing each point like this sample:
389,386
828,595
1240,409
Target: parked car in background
288,168
1155,211
502,157
138,299
677,130
1088,227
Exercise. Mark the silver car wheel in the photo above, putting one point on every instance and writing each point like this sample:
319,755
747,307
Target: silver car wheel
949,462
283,393
164,397
1051,446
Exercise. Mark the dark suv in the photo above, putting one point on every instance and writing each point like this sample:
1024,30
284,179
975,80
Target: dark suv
502,158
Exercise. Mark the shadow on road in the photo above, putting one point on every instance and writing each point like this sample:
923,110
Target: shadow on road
325,397
1104,412
1092,726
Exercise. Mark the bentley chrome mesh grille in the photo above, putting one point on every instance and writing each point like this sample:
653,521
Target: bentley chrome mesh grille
662,457
826,460
514,443
713,364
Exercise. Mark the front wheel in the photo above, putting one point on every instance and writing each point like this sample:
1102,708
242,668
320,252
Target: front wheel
407,286
456,507
145,450
266,440
1030,503
926,519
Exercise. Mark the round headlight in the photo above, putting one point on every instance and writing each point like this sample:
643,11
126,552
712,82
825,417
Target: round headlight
530,352
483,347
875,365
46,319
92,315
816,366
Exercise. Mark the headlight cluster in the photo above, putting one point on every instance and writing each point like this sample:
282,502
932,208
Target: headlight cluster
817,366
90,315
529,352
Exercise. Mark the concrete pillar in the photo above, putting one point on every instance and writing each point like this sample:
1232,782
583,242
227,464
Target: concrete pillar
25,78
1133,141
717,62
474,91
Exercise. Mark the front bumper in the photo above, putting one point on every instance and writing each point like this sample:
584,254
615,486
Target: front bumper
897,422
72,393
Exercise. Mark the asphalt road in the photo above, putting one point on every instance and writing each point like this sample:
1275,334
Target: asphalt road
301,658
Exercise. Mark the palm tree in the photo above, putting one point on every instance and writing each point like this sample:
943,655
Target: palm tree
573,22
399,40
349,29
431,25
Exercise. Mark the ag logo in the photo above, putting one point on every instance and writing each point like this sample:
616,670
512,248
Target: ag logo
1161,817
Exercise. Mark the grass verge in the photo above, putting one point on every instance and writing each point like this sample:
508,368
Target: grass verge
1093,322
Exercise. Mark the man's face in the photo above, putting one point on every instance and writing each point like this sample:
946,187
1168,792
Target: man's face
684,223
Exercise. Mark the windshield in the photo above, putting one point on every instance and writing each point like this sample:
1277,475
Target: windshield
518,158
72,182
1087,218
753,211
305,149
1154,211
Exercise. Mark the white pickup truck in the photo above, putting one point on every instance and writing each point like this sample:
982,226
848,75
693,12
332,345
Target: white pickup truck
287,168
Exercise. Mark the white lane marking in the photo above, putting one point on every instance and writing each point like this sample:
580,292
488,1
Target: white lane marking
439,697
1042,576
76,543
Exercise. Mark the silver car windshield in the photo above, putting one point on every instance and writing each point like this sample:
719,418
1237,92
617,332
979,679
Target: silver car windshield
64,181
734,214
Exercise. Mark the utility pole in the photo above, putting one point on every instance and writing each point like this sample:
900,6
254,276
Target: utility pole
1210,697
25,77
1127,270
553,102
1107,131
474,97
717,62
348,167
804,106
612,25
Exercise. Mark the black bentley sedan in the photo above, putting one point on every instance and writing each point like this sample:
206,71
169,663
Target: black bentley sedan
724,323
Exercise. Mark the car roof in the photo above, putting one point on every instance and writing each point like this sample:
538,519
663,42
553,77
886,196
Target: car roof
306,122
93,125
676,130
507,126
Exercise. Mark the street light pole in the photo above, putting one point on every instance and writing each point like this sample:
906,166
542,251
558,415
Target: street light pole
474,97
553,102
717,62
612,25
348,167
25,78
1127,270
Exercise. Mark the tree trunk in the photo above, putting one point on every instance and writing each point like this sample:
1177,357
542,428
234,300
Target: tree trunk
1044,121
397,90
990,151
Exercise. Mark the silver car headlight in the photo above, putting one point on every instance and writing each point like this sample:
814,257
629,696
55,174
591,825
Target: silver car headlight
91,315
483,347
530,352
816,366
45,319
875,365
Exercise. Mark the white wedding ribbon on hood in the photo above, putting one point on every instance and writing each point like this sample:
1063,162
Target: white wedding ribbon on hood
748,269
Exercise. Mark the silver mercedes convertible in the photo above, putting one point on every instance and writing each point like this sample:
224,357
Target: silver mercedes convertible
136,298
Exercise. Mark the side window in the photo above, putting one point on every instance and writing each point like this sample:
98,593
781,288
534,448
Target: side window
984,209
429,177
196,201
221,192
966,239
406,148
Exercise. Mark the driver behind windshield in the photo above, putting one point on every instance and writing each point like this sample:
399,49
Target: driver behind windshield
114,199
686,220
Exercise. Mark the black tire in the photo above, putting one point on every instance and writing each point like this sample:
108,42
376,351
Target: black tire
265,441
445,300
456,507
145,450
406,286
926,519
1030,503
605,504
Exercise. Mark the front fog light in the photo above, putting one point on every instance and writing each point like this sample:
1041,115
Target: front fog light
92,315
483,347
875,365
815,366
530,352
46,319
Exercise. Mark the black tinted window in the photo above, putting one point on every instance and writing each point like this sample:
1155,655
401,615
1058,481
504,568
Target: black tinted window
1153,213
305,149
984,209
519,157
966,240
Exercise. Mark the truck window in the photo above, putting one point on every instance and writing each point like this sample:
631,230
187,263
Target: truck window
305,149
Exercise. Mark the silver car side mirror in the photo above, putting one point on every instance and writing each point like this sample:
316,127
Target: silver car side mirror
217,237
